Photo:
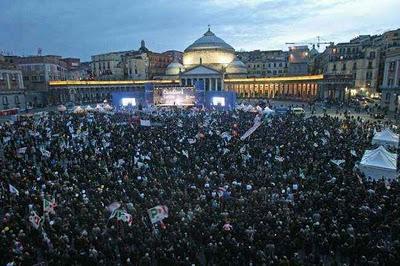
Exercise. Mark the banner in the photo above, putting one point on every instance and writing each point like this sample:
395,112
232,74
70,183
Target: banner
251,130
158,213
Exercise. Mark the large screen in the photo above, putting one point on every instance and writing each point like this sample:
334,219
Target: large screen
169,96
218,101
128,101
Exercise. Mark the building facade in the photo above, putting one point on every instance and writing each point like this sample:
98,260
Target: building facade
12,92
391,80
37,71
108,66
138,64
363,58
265,63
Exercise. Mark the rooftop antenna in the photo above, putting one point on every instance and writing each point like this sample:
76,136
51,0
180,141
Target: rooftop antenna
39,51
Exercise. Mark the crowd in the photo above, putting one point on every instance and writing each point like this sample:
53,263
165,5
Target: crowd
274,198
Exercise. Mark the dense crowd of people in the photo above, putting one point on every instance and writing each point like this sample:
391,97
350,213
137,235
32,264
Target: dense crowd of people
274,198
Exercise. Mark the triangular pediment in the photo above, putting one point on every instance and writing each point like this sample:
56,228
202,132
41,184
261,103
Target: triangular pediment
201,70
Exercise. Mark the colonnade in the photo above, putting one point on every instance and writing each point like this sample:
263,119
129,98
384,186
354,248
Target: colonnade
290,90
210,84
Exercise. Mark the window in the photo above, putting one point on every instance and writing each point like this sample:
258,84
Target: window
355,66
280,64
369,75
5,100
274,64
344,66
334,68
369,64
26,78
390,82
392,66
108,65
17,99
372,55
387,96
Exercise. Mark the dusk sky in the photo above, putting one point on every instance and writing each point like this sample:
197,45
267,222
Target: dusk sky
72,29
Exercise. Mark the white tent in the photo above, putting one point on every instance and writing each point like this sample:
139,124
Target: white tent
379,163
386,138
89,108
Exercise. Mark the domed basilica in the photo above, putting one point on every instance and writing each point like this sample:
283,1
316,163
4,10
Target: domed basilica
209,59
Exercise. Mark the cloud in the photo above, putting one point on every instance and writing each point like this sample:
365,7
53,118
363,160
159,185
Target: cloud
70,28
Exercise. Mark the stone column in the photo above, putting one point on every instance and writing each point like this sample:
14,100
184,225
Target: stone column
209,83
8,81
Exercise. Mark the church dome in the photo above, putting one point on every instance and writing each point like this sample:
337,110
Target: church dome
174,68
209,50
236,67
209,41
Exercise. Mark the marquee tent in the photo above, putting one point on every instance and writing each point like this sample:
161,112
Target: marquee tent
386,138
379,163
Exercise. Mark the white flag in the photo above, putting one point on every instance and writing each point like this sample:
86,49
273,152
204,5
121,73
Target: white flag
13,190
21,150
45,153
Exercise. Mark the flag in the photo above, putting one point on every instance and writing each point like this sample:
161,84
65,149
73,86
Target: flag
113,206
21,150
251,130
13,190
45,153
145,123
35,220
48,206
158,213
221,192
191,141
122,216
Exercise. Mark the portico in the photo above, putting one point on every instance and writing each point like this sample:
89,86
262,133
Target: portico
211,78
